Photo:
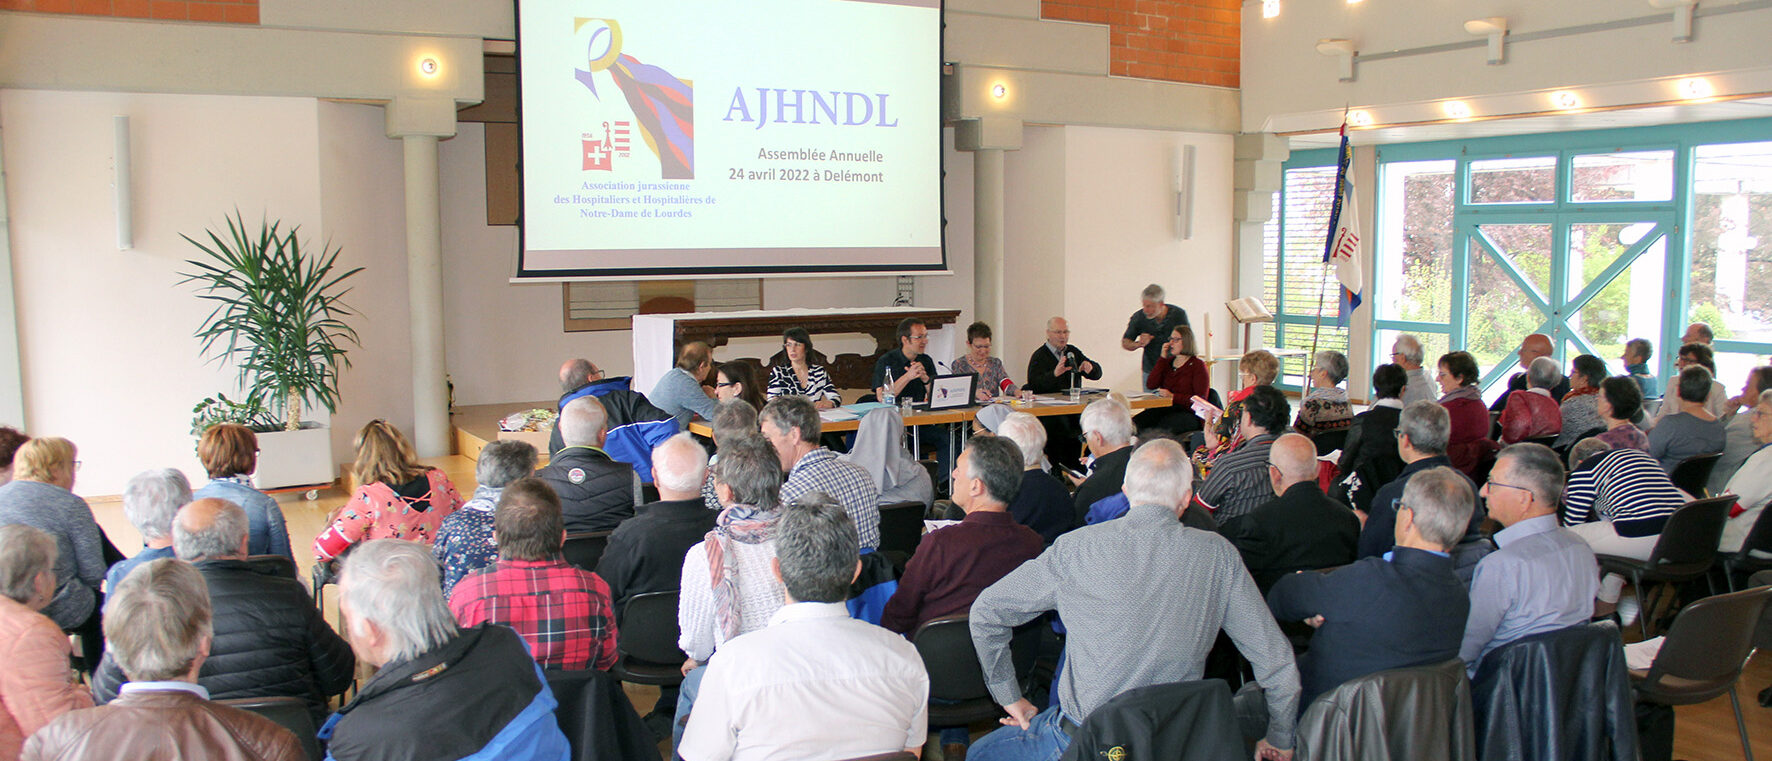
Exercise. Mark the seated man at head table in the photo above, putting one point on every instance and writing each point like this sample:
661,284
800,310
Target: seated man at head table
1053,368
904,372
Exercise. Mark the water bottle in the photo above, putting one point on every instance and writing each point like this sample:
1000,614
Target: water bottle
886,390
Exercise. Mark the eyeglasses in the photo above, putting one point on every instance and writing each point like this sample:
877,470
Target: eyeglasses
1529,494
77,464
918,336
723,384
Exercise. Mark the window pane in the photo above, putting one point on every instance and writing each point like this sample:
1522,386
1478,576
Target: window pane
1500,313
1528,247
1638,176
1270,258
1627,307
1415,244
1295,336
1433,346
1731,275
1733,367
1526,180
1309,196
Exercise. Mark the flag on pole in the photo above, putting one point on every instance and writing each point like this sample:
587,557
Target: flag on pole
1342,248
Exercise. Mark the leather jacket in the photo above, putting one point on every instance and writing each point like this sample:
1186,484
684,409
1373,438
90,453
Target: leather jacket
162,725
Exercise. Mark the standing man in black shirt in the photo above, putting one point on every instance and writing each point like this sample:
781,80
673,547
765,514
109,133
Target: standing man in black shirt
1151,325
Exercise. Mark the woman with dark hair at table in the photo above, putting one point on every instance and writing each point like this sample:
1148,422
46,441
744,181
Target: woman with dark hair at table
1179,376
734,380
797,376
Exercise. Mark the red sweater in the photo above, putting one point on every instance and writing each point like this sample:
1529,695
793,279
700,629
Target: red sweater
1186,382
1529,416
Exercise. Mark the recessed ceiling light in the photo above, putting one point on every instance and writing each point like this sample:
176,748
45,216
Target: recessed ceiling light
1270,8
1359,118
1565,100
1695,88
429,66
1456,109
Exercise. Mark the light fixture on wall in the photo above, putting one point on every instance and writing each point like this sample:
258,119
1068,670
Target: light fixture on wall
999,91
1270,8
1184,192
1342,50
1494,28
1682,16
1456,109
1359,118
1696,88
1565,100
429,67
120,175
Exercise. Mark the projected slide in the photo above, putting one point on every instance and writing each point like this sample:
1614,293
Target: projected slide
702,137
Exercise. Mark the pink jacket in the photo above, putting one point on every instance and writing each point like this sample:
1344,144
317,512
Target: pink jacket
35,684
375,511
1530,415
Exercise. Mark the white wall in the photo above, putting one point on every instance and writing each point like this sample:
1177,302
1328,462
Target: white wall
107,353
1034,196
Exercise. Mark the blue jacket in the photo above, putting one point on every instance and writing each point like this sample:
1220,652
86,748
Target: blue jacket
635,425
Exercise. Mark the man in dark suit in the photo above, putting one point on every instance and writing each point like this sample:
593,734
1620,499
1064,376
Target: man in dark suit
1531,347
1301,530
1054,367
1405,609
1422,432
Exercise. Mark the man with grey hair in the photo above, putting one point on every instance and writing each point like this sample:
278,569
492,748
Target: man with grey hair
1042,504
768,695
1408,354
464,542
1543,577
1300,530
1532,413
1407,608
1151,325
1107,432
597,492
158,626
1054,367
1422,432
268,638
791,424
150,499
1185,586
477,690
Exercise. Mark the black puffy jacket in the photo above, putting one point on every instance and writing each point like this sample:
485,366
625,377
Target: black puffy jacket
269,641
596,491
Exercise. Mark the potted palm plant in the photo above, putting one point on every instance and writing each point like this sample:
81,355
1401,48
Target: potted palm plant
279,319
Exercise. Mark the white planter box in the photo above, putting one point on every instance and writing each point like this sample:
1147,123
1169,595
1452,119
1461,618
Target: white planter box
294,458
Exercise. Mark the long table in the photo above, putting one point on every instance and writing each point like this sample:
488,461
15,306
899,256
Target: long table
837,421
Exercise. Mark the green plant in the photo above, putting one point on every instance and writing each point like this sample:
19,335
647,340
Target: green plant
278,316
219,409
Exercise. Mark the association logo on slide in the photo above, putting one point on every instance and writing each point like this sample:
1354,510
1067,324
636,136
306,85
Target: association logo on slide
663,105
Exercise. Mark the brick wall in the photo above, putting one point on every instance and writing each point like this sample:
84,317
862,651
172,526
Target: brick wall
1195,41
231,11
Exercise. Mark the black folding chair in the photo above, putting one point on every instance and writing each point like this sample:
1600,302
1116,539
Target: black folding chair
1685,552
585,549
955,677
289,713
1693,473
1704,653
646,648
901,527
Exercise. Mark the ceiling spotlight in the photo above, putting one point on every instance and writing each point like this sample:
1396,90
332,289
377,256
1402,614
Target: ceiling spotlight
1696,88
429,66
999,91
1270,8
1565,100
1343,50
1359,118
1495,28
1456,109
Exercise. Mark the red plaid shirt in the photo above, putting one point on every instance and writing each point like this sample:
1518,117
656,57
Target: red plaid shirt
563,612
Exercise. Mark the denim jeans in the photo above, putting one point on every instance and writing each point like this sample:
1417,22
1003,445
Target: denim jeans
685,700
1043,740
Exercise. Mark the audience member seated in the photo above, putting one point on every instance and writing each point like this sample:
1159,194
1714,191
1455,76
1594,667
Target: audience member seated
597,492
1300,530
229,453
1580,407
40,496
798,376
1617,501
879,450
1404,609
679,392
1752,482
1178,376
464,543
1693,430
637,424
1107,432
1738,433
268,638
1531,413
727,586
150,500
397,498
1181,585
1239,481
1257,368
1369,456
1543,577
1698,333
1637,352
735,380
1532,347
1422,431
34,686
904,372
645,554
10,440
1325,408
1042,503
160,630
1407,353
1716,399
562,612
440,691
770,693
791,425
993,378
953,564
731,419
1154,321
1467,442
1619,402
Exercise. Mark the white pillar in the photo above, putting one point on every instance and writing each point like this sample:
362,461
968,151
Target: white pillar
987,236
424,285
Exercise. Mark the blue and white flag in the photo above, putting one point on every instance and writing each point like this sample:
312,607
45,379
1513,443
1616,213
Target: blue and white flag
1343,245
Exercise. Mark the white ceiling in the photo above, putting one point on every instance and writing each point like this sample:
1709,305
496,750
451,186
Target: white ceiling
1540,123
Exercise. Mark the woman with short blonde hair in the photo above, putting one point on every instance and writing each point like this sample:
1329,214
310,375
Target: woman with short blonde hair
40,495
396,497
229,453
1257,368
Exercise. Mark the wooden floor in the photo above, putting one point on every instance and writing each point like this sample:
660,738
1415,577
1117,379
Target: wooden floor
1704,732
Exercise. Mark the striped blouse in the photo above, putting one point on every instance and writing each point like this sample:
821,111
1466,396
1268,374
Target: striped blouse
1626,487
783,382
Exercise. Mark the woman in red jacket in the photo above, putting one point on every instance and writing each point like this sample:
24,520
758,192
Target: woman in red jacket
1179,376
1469,441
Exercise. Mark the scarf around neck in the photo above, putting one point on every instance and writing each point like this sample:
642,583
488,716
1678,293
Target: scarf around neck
737,523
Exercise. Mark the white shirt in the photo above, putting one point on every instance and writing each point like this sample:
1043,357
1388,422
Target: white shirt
190,687
759,595
814,685
1753,485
